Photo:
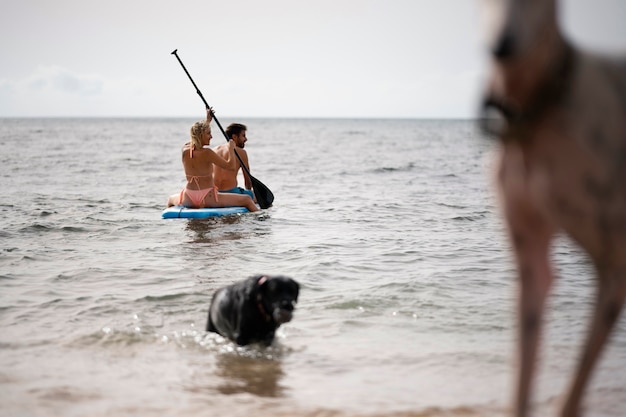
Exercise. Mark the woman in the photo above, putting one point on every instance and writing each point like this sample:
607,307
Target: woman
198,162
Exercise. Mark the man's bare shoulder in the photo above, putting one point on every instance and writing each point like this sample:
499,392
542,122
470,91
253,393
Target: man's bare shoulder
221,149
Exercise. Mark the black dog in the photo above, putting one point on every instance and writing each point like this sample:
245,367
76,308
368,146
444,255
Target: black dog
251,310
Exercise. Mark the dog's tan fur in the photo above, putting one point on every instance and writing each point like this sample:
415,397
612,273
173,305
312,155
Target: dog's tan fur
562,168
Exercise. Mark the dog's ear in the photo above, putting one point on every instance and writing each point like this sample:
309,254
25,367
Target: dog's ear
263,285
253,285
262,282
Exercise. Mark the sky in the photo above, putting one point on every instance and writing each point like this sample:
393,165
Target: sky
252,58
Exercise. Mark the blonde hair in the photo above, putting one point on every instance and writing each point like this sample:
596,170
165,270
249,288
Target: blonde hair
196,132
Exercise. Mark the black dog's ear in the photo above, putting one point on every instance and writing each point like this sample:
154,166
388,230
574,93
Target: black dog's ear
262,281
253,285
263,285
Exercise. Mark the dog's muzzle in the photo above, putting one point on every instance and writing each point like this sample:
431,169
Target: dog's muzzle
497,116
283,313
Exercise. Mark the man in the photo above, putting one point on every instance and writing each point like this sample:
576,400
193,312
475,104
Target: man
226,180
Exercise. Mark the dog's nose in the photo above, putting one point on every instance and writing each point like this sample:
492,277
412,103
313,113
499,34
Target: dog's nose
287,305
505,47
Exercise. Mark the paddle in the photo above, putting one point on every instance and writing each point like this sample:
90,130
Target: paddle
264,196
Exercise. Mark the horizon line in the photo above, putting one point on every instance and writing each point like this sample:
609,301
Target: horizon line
258,117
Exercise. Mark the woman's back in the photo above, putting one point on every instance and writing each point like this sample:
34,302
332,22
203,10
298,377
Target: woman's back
198,167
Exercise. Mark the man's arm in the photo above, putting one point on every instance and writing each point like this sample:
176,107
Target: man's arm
244,157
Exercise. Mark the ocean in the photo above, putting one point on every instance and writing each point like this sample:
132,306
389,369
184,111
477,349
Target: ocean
391,227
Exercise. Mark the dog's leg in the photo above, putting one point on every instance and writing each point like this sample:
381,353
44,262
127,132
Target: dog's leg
609,304
531,236
535,281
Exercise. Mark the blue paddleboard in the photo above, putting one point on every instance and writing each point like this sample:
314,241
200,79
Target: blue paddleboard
181,212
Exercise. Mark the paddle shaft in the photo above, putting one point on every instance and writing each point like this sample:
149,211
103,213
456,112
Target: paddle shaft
175,53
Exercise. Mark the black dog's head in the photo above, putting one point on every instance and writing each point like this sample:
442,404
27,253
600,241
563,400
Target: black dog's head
277,296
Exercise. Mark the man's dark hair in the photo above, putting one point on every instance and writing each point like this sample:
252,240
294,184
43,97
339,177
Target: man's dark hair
235,129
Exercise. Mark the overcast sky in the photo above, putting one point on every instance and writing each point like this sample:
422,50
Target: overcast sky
259,58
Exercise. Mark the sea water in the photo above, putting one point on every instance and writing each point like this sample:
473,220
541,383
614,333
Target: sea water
390,226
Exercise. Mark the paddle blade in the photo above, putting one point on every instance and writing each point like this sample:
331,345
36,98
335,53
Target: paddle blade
264,196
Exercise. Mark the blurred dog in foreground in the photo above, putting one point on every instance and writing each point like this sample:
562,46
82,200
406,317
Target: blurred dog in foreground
251,310
562,168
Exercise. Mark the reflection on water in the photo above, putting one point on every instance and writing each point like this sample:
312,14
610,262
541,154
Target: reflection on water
230,369
251,375
215,229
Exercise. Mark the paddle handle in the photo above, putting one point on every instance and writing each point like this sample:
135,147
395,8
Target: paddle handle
175,53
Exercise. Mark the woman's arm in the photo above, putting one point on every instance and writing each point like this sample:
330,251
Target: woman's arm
230,163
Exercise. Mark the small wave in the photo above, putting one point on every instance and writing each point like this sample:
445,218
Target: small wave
8,277
384,170
109,337
39,228
167,297
450,175
459,411
454,206
65,394
221,345
73,229
35,228
347,305
471,218
148,205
